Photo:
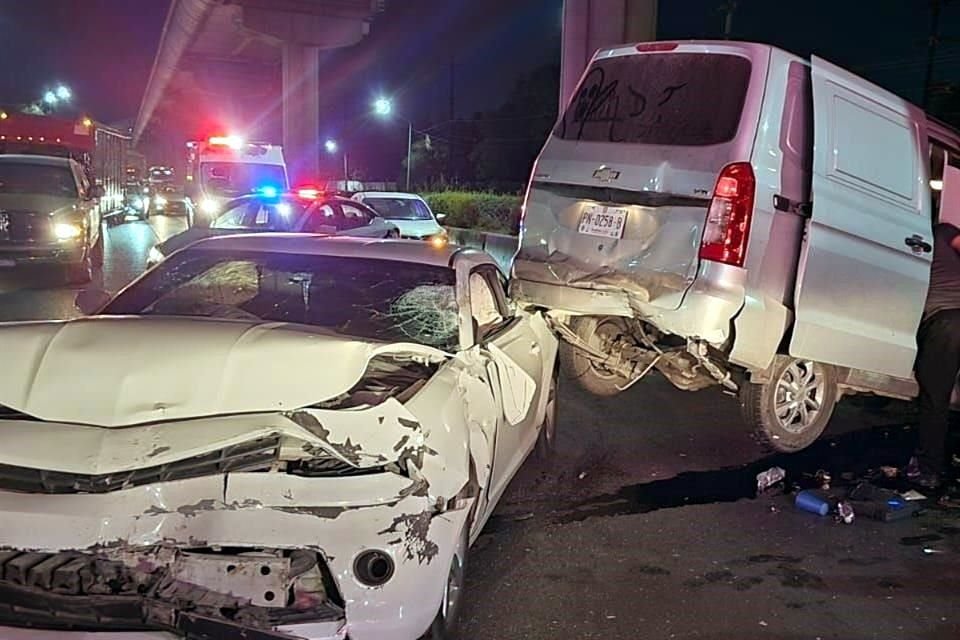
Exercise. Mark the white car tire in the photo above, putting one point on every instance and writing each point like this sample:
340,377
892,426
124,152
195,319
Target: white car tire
790,411
547,438
444,626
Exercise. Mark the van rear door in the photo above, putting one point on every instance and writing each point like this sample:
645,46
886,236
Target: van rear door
619,195
863,273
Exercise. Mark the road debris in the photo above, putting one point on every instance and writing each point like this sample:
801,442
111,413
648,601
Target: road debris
769,478
813,502
845,512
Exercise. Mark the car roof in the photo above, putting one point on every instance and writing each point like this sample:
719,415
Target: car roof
388,194
26,158
414,251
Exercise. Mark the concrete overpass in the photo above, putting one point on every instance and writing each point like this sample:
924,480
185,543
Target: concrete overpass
245,65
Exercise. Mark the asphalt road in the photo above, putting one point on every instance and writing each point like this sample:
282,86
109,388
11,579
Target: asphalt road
645,525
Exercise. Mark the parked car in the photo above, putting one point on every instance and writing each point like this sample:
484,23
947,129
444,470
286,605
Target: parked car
169,199
289,213
289,434
49,214
408,211
729,213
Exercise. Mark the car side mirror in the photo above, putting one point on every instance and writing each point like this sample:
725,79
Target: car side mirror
94,192
441,217
90,301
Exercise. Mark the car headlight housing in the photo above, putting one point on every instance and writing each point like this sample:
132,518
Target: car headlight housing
209,206
67,230
155,256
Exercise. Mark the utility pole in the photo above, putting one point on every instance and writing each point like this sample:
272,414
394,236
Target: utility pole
932,42
728,8
452,114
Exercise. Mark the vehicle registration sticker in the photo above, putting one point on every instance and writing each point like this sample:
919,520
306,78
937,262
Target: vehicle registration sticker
8,263
607,222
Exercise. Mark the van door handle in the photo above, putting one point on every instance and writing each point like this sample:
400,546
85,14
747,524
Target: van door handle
918,244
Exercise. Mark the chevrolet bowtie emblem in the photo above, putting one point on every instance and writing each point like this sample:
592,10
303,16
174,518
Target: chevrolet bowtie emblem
606,174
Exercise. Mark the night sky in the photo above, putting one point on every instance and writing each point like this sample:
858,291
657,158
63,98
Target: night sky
103,49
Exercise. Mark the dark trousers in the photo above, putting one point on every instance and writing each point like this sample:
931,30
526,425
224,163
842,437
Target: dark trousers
938,362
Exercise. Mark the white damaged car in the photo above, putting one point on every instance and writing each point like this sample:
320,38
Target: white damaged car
265,437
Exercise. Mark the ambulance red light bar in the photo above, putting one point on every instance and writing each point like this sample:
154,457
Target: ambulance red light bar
234,142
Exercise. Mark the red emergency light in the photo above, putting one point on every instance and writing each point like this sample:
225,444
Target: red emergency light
234,142
308,192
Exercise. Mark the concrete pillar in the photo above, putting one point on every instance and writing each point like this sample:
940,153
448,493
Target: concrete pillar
589,25
301,111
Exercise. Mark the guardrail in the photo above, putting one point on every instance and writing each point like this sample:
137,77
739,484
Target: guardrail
500,247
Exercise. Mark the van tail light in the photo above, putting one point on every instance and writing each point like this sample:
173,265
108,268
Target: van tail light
727,229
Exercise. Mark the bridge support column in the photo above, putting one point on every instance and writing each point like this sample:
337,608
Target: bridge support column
589,25
301,111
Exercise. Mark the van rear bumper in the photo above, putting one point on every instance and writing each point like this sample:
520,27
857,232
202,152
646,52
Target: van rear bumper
706,309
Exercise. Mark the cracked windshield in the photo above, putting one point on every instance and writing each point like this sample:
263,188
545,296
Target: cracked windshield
420,320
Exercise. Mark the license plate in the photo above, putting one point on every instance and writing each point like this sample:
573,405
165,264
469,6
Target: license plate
7,263
606,222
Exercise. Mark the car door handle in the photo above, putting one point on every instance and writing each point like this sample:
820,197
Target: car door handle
918,244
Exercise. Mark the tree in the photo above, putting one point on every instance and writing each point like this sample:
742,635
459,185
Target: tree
511,136
428,161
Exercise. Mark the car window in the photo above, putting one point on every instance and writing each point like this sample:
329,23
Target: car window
324,218
233,218
355,217
379,300
483,303
400,208
678,99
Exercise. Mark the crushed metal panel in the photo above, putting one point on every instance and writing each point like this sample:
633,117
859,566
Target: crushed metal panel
261,578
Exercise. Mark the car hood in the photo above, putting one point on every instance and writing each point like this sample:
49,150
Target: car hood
34,202
191,235
124,371
416,228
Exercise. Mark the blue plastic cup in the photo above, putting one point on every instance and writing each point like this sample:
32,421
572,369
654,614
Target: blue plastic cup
812,502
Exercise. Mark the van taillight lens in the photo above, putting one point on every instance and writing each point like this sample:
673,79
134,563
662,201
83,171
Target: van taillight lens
727,229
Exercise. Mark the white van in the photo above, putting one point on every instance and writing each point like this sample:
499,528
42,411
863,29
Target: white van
729,213
225,167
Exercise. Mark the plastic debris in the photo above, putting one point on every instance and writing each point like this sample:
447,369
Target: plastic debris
769,478
583,474
845,512
890,472
823,479
912,495
813,502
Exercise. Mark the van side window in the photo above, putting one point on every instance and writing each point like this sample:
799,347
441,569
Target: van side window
944,188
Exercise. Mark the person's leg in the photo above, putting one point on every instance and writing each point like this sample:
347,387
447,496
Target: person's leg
938,361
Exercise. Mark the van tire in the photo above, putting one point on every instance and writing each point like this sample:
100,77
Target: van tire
790,431
595,331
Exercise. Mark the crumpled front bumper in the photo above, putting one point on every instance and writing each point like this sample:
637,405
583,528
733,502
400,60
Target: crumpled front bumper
336,517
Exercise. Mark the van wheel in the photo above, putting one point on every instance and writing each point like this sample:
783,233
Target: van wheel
96,253
81,272
789,412
600,333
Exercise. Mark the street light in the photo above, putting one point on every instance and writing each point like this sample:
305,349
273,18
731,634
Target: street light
64,93
331,146
383,107
50,98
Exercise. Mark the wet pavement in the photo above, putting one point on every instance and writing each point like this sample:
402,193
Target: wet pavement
645,525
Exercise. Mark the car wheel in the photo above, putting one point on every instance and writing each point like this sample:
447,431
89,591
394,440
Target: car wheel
600,333
96,252
81,272
789,412
547,438
444,626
